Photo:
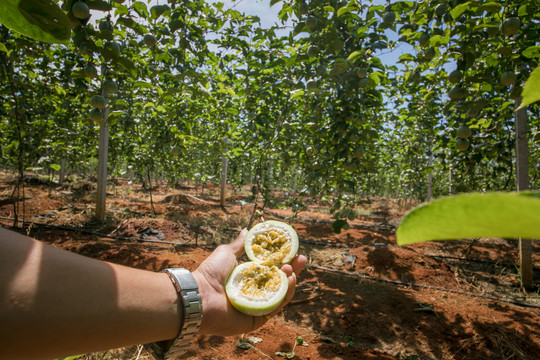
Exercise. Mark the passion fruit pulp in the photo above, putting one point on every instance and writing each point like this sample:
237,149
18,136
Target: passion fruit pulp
258,287
271,242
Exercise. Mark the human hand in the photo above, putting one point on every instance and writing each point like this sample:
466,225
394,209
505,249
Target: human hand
219,316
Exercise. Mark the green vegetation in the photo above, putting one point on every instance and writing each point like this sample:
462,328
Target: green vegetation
310,108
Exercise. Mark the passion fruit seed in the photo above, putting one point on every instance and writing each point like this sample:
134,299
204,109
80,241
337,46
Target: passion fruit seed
256,289
271,246
271,242
259,280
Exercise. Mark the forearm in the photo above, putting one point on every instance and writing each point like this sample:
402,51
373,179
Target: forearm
55,303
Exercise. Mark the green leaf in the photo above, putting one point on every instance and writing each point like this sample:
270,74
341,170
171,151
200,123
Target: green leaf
472,215
41,20
355,54
531,52
345,10
297,93
531,90
55,167
99,5
459,10
3,48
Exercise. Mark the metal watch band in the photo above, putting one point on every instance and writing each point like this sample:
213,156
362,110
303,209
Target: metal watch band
188,290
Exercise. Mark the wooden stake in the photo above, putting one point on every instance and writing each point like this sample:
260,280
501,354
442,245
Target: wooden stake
523,183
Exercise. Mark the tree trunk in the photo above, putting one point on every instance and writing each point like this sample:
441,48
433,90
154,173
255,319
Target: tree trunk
102,165
523,183
450,180
62,170
430,176
224,166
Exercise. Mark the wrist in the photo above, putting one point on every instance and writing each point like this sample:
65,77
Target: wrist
189,305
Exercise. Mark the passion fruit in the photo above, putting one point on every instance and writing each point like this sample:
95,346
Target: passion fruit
258,287
271,242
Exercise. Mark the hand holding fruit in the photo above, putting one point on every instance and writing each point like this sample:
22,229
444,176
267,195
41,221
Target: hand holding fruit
219,316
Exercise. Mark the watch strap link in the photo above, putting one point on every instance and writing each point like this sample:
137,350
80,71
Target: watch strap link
188,290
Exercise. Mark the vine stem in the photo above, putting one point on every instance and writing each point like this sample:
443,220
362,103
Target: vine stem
279,125
19,185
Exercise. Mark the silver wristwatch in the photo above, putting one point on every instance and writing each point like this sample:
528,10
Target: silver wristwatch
188,291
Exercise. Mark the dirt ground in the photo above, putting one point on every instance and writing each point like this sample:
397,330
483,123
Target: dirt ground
361,296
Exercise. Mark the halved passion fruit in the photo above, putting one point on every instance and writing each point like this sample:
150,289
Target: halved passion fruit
259,286
271,242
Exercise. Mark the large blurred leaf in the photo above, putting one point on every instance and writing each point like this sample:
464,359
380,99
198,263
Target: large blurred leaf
531,90
473,215
41,20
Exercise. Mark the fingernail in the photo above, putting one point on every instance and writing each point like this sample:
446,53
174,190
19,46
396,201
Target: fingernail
244,231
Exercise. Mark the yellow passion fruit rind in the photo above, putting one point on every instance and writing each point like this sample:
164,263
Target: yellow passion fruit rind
259,286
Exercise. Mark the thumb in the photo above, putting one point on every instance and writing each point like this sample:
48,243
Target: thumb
237,246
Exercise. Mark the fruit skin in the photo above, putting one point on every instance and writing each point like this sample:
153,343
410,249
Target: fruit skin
462,144
111,50
80,10
254,307
303,8
90,71
510,26
455,76
508,78
457,93
98,102
96,115
149,40
311,22
463,132
110,87
266,226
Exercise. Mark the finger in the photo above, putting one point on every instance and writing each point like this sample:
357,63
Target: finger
237,246
298,264
287,269
288,296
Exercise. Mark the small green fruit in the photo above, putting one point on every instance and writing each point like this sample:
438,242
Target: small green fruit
361,72
149,40
98,102
463,132
389,17
510,26
508,78
175,24
111,50
80,10
312,22
176,151
440,10
424,38
455,76
457,93
363,83
96,115
462,144
321,70
313,51
109,87
312,85
429,54
106,26
90,71
303,8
